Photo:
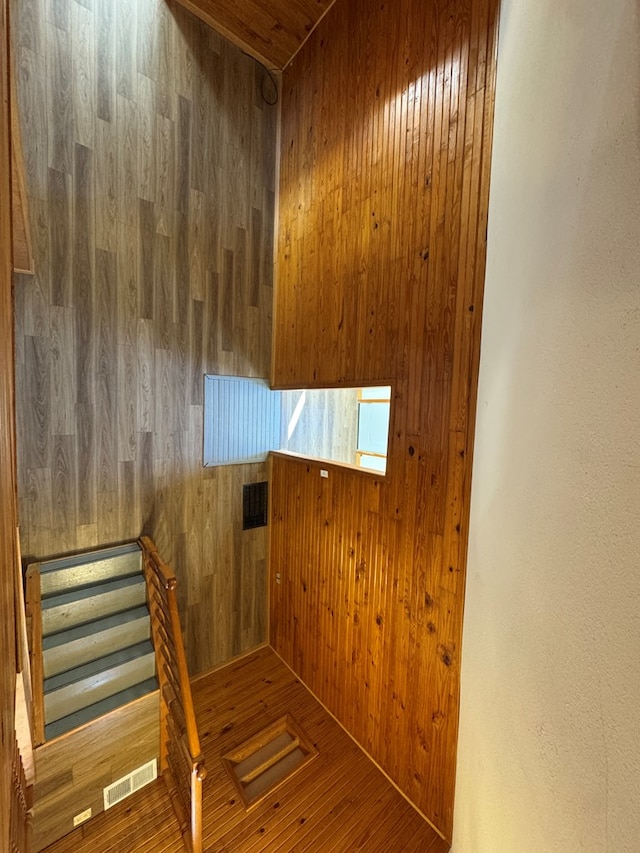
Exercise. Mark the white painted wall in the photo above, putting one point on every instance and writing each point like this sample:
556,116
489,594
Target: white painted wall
549,748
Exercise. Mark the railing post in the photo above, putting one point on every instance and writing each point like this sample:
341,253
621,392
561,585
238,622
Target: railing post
197,776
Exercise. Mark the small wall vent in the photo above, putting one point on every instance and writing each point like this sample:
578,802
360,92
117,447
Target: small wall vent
135,780
254,505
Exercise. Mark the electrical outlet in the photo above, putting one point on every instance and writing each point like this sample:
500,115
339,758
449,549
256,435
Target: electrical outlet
80,818
324,473
278,577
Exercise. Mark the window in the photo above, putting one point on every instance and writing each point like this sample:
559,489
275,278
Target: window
374,408
244,419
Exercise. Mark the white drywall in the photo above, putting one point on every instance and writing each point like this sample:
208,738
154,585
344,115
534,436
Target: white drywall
549,746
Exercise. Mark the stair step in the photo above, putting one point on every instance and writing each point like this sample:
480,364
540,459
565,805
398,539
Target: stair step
92,682
83,570
69,649
70,609
98,709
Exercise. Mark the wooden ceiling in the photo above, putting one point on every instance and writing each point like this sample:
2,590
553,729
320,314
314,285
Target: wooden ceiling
272,31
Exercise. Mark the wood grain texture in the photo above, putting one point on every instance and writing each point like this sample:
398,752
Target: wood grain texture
385,151
73,770
19,814
271,32
8,500
142,822
134,199
180,760
33,611
340,802
22,259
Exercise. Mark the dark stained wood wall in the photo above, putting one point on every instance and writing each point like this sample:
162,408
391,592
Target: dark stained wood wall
8,504
150,162
271,30
385,150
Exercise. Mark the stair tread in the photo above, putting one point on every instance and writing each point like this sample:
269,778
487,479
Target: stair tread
98,709
55,581
80,632
81,607
83,593
103,664
88,557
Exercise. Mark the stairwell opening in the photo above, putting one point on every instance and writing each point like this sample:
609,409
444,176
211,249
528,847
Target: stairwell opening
267,760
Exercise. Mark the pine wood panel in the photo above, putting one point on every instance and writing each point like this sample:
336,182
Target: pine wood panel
271,32
384,177
8,502
149,159
339,802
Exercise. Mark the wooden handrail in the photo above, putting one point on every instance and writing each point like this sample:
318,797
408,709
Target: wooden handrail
34,621
181,760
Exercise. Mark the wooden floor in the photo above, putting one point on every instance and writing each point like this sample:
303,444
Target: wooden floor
339,802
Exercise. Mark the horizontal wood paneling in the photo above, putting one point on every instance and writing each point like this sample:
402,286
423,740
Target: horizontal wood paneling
339,802
385,151
271,32
150,160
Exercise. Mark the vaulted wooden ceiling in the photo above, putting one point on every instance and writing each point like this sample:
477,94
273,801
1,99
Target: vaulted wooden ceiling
272,31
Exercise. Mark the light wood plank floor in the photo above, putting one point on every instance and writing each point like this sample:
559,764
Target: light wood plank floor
340,802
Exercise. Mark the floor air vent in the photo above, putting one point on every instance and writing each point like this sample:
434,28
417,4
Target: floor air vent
135,780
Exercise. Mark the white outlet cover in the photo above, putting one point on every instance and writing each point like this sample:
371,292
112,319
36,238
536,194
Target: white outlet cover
324,473
80,818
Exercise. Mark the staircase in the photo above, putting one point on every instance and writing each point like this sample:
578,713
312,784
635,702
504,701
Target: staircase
95,635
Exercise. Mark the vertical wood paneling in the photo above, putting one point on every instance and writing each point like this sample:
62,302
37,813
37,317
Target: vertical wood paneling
123,108
384,176
8,503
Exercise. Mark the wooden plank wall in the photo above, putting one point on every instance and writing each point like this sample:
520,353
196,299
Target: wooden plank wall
150,161
272,32
387,115
8,505
73,770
